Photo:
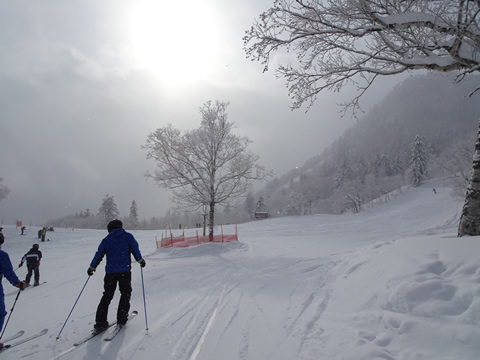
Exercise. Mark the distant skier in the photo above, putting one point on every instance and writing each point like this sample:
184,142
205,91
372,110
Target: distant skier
32,257
23,229
434,191
44,233
6,269
117,245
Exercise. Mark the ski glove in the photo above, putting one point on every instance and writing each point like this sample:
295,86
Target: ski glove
142,263
90,271
20,265
21,285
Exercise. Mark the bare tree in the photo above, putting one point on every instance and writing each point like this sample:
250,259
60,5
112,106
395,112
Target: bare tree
340,42
205,166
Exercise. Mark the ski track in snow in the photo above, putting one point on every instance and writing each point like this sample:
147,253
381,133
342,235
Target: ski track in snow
198,322
230,298
266,297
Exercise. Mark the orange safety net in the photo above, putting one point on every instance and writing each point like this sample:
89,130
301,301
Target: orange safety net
168,240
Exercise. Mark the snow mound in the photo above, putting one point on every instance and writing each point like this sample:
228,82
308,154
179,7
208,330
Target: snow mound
412,299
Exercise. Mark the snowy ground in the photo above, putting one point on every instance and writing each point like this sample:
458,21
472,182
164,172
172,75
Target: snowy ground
393,282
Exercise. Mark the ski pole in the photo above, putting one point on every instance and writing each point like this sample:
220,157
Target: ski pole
144,302
65,323
11,311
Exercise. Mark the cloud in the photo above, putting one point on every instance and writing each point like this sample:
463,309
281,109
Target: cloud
76,108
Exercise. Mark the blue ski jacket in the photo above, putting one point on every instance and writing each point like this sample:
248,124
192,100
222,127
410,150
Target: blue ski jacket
6,269
117,246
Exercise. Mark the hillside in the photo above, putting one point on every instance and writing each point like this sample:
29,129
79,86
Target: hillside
374,156
392,282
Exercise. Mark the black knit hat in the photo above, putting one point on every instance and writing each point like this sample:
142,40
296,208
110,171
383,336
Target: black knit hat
114,224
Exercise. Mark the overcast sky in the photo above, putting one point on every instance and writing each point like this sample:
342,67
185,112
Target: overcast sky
83,83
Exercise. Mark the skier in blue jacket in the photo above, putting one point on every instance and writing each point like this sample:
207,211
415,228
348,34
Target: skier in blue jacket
117,246
6,269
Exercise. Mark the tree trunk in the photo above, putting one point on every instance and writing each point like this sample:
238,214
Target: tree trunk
470,219
211,219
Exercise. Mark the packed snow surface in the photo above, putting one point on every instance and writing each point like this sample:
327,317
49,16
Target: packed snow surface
393,282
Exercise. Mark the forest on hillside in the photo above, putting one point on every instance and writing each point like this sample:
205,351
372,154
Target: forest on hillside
374,157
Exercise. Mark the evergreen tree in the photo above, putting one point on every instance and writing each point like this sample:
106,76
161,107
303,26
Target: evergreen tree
134,213
108,211
418,161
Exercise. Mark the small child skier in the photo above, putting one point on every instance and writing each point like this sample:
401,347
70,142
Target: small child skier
32,257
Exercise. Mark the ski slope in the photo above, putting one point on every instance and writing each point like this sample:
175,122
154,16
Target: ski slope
392,282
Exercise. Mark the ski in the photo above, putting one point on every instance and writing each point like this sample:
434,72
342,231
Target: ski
116,330
13,337
33,286
24,340
113,333
95,333
92,335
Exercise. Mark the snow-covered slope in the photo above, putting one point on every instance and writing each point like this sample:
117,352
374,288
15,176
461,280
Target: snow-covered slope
392,282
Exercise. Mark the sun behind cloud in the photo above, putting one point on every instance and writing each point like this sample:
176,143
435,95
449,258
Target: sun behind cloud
176,40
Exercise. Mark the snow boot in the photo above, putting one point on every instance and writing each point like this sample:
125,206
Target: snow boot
98,328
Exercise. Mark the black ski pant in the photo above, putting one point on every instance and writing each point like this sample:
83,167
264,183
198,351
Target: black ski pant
110,281
33,269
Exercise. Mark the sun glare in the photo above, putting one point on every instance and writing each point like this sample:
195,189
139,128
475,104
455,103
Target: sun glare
177,40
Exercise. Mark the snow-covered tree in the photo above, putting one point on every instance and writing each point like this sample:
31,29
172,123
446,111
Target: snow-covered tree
336,40
353,198
209,165
418,161
133,216
363,170
455,164
249,204
4,191
260,206
383,165
343,175
340,42
295,204
108,211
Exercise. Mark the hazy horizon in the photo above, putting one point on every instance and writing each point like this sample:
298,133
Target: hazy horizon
84,83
